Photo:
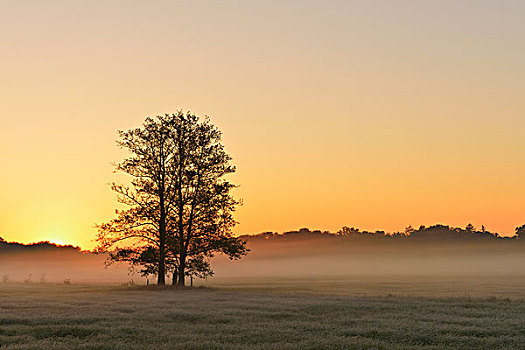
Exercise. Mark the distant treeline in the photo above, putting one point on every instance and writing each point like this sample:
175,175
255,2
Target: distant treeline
44,246
439,232
435,232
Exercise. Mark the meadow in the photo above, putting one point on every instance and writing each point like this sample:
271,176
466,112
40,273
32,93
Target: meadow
356,313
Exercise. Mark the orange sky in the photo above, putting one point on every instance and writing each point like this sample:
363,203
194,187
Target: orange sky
376,114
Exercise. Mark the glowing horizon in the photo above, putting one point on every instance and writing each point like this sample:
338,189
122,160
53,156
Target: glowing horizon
375,114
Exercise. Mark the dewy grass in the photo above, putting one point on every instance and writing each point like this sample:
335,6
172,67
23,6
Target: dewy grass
95,317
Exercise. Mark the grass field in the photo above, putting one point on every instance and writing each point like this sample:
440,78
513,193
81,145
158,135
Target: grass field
51,316
434,286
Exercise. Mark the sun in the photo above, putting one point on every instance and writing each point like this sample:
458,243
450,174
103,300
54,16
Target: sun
58,241
55,233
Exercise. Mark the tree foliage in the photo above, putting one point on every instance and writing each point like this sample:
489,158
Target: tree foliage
180,207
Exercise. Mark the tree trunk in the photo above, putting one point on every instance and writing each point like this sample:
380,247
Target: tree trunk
162,235
161,280
182,270
174,282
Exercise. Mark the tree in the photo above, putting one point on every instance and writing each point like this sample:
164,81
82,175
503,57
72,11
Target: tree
180,206
409,230
347,231
520,231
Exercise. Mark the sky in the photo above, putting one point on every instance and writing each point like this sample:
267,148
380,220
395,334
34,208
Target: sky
375,114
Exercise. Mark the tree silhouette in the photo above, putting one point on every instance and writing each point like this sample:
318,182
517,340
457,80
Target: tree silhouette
409,230
520,231
347,231
180,206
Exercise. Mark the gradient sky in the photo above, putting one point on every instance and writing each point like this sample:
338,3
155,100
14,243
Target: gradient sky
376,114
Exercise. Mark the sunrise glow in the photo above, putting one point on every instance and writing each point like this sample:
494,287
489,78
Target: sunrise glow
374,114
